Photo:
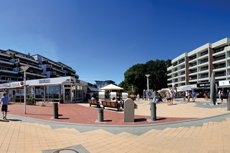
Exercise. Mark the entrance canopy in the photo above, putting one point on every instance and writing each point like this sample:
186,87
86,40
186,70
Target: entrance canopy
111,87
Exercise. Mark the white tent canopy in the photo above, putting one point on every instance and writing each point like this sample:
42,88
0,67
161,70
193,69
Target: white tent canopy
111,87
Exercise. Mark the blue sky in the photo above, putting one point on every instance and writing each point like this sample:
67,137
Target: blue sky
101,39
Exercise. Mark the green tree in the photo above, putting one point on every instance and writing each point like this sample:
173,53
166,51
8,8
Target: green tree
135,76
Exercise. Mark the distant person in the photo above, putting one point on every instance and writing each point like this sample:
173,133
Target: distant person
155,98
92,98
222,96
193,95
168,98
219,94
206,95
138,96
118,104
227,94
4,101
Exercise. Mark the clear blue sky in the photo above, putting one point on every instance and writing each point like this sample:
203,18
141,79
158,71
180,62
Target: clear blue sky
101,39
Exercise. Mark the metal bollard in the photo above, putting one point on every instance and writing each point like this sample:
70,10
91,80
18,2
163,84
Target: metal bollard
100,115
153,112
228,104
55,109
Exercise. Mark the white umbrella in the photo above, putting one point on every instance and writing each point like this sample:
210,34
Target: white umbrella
111,87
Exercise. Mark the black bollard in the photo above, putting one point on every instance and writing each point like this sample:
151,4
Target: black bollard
228,104
55,108
153,112
100,115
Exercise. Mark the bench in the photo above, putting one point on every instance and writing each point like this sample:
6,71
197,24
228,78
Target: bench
93,102
110,104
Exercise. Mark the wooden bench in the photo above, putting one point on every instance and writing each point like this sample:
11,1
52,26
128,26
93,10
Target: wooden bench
93,102
110,104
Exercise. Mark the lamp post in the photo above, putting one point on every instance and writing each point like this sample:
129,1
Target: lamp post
24,69
132,87
147,75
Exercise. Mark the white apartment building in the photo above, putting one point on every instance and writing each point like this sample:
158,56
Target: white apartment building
197,66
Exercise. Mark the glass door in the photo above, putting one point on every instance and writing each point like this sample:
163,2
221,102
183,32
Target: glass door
67,95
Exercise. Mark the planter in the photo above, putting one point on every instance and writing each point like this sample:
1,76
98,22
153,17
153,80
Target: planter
30,103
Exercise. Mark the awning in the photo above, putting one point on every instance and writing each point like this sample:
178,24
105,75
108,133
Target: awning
94,89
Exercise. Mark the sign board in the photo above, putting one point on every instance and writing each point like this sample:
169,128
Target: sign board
224,83
5,85
203,84
149,94
44,81
17,84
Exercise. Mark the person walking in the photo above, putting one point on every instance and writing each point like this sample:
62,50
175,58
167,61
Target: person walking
138,96
155,98
193,95
168,98
4,101
219,93
221,96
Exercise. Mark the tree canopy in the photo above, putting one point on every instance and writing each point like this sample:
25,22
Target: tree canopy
135,76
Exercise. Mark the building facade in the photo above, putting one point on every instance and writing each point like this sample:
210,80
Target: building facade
39,67
197,66
101,84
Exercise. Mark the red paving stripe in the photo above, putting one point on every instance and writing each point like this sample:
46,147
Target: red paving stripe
74,113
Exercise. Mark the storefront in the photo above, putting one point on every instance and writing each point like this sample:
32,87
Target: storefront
62,89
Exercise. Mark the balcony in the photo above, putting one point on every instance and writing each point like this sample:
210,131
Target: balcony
61,71
219,58
34,74
219,50
4,62
26,58
7,71
6,55
203,54
31,66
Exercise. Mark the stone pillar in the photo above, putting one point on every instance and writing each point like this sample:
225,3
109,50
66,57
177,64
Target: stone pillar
129,110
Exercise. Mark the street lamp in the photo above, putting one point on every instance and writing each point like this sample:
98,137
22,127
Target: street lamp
132,87
147,75
24,69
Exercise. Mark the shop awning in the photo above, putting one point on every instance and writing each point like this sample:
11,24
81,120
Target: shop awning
94,89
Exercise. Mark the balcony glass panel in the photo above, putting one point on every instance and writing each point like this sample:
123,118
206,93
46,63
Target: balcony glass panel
203,61
174,64
193,64
194,71
192,58
181,61
219,50
204,53
204,68
182,67
220,66
220,58
220,74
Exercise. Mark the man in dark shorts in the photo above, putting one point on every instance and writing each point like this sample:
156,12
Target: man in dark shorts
4,101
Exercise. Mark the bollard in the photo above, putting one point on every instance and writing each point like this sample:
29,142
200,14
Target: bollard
55,108
153,112
100,115
228,104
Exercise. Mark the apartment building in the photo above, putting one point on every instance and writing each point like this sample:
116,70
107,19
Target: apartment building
197,66
39,67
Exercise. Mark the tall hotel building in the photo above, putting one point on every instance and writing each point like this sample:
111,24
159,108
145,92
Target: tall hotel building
197,66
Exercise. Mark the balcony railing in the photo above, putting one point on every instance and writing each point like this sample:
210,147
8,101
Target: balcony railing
193,78
4,62
219,50
203,69
193,71
192,58
181,61
182,73
193,65
219,58
203,61
204,53
218,75
182,67
219,66
203,76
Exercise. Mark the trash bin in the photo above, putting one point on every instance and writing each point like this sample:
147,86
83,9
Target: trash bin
55,109
100,115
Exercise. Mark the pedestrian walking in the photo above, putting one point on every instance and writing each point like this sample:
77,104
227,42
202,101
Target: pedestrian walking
155,98
193,95
219,94
222,96
168,98
138,96
4,101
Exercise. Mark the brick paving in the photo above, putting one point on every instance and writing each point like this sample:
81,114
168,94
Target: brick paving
74,113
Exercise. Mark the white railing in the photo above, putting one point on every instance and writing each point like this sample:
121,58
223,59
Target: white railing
26,58
31,66
4,62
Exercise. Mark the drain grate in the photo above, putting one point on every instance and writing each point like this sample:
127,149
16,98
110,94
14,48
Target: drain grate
65,151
